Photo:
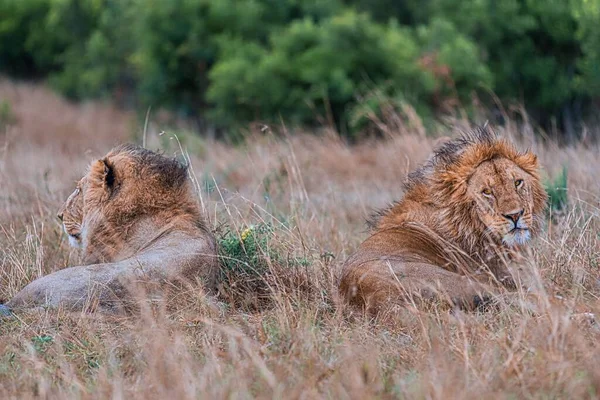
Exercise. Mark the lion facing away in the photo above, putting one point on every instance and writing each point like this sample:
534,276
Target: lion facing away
464,215
135,216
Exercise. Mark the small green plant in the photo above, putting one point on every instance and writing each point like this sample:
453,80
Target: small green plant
7,117
557,191
248,251
42,342
249,261
83,350
245,258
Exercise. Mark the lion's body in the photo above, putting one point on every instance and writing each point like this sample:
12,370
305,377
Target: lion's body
461,218
139,221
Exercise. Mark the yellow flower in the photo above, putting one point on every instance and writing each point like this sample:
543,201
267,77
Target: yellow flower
246,232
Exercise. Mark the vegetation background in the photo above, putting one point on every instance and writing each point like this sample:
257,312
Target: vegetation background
226,63
324,106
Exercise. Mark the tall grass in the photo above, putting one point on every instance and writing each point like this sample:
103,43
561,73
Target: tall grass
295,208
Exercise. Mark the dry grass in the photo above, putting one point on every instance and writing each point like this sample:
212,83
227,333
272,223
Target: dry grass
315,193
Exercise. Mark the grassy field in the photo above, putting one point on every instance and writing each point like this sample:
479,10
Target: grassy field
299,206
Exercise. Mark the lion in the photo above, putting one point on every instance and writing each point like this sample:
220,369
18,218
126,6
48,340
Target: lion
465,215
136,219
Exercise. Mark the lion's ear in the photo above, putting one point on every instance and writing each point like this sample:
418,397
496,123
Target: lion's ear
108,179
102,176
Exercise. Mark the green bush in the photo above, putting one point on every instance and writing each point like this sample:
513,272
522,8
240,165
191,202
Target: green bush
20,21
459,55
179,42
531,48
312,71
82,46
587,14
308,62
175,49
98,63
251,262
248,252
246,258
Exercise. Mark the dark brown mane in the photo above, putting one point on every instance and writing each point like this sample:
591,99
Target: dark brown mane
448,154
167,171
444,155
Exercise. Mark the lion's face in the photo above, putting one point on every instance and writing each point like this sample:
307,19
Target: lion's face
503,197
71,216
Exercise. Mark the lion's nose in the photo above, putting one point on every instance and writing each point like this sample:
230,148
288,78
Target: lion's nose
514,215
60,216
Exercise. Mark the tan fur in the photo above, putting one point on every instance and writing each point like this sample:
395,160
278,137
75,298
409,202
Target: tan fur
71,215
136,217
451,235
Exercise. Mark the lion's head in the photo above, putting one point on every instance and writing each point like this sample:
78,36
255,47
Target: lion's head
481,188
71,216
131,188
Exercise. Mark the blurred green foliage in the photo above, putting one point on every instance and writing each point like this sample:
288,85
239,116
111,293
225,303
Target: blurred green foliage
7,116
557,190
308,62
312,71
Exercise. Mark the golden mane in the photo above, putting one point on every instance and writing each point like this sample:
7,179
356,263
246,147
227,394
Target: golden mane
441,181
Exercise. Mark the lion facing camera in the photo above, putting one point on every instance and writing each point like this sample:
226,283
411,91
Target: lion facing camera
464,214
136,218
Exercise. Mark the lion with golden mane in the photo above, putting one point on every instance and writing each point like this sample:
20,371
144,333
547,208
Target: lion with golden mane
135,216
464,215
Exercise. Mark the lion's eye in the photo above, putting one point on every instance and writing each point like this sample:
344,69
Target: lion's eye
518,183
486,192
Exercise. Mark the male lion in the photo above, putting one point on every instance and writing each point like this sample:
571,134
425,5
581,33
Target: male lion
135,217
463,215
